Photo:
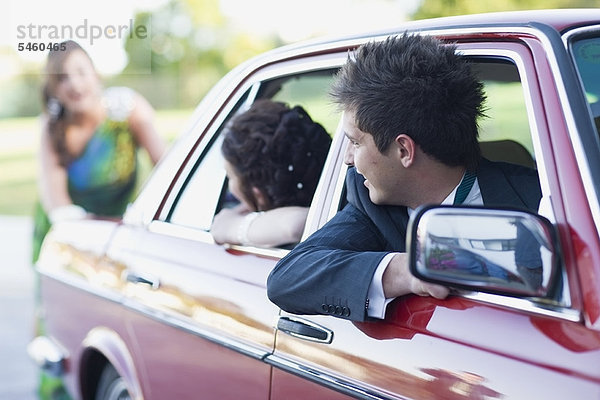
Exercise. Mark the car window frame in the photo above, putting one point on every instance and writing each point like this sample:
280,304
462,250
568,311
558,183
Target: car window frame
206,135
513,52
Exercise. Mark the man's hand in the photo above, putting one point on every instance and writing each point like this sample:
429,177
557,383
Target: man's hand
398,281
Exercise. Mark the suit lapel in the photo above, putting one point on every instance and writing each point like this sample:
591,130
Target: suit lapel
399,218
496,190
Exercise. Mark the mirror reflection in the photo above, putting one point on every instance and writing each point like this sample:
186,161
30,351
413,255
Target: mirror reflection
489,250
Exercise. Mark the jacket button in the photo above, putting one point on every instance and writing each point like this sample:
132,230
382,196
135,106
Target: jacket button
324,307
345,311
331,309
338,310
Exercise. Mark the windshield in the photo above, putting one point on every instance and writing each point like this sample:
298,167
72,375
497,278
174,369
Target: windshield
587,59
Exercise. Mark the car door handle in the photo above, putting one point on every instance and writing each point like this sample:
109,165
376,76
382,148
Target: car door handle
144,279
304,329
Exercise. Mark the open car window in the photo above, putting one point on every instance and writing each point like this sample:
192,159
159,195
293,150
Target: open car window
205,191
504,133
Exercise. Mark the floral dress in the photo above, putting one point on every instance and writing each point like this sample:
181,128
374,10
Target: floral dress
103,178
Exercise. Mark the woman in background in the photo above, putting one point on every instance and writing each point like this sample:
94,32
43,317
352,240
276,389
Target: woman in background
89,142
88,152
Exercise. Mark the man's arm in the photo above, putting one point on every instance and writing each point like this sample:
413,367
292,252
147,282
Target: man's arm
331,271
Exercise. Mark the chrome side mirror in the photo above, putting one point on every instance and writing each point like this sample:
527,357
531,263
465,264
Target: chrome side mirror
488,250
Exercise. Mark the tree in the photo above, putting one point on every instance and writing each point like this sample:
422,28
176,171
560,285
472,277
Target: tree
192,45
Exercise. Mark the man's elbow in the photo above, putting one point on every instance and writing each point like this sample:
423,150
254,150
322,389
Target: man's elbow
275,289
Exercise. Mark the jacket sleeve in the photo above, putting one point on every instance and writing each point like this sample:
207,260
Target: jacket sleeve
330,272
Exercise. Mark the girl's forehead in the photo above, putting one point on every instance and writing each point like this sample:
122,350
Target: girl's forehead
76,59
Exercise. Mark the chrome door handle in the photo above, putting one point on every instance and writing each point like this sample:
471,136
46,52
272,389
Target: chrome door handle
144,279
304,329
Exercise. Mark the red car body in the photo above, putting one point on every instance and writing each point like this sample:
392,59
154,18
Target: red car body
178,316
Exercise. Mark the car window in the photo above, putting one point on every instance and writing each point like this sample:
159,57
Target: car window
197,204
205,192
504,133
586,53
310,91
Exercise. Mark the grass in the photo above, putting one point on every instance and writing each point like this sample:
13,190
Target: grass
19,139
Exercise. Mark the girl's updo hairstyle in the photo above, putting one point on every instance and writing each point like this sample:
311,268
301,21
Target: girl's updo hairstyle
279,150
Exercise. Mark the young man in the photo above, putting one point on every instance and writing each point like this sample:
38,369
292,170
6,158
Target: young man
411,106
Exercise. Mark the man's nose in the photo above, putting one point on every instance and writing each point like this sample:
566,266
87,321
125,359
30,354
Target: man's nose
349,155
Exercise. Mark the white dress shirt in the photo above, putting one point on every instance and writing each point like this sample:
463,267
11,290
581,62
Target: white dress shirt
377,300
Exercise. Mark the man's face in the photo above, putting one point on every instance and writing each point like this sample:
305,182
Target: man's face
383,171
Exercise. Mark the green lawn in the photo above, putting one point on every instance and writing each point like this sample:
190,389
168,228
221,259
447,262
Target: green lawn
19,139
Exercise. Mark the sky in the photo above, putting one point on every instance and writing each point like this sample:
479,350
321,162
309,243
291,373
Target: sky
100,26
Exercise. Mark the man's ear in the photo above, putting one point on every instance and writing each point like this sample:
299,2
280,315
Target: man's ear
262,201
406,148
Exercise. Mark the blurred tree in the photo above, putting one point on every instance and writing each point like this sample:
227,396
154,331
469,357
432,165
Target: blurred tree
442,8
191,46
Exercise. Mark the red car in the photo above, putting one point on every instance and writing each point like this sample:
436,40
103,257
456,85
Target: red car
151,308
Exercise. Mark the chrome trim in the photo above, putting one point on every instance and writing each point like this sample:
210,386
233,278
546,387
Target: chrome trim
217,338
267,252
180,231
577,31
337,192
161,316
341,173
48,355
81,284
185,232
333,162
526,305
327,380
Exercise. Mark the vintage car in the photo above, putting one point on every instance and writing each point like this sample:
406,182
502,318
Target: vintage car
150,307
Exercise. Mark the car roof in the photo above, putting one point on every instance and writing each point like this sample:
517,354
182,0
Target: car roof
560,19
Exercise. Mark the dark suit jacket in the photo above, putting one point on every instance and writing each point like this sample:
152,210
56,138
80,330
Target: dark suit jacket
331,271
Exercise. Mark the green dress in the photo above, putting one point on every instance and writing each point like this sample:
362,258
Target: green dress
103,178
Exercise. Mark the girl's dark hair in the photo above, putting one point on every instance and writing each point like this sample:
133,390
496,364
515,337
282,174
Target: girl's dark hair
279,150
52,107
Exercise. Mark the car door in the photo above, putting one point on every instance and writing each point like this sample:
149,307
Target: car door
203,323
471,345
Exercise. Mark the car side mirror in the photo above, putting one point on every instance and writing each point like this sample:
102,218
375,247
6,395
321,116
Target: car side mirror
488,250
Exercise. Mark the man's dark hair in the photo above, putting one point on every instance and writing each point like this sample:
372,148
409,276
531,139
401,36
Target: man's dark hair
279,150
417,85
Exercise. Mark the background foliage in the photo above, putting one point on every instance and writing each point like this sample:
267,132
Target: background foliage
193,45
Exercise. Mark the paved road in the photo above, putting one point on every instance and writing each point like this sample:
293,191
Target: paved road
17,373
